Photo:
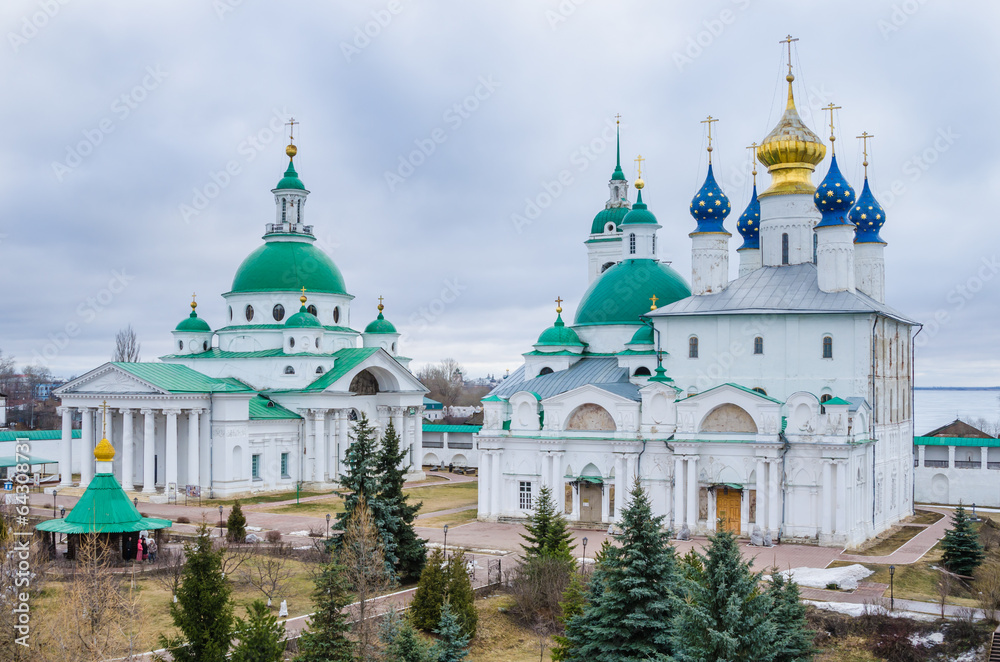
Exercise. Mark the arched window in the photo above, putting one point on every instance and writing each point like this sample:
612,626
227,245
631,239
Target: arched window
827,347
641,371
545,371
230,313
283,212
249,313
291,342
319,370
758,345
336,315
693,347
760,390
278,312
312,310
631,243
180,344
784,248
289,370
204,346
826,397
606,266
815,246
317,343
654,244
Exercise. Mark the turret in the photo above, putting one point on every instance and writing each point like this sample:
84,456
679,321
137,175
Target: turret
604,242
834,233
639,227
869,248
290,198
748,226
381,333
193,335
710,240
303,332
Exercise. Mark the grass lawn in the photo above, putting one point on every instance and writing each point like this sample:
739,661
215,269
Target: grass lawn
454,519
499,638
891,543
434,498
925,517
256,498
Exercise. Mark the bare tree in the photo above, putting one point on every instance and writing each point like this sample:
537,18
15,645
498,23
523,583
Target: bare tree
987,585
363,557
171,561
11,594
267,572
235,556
126,346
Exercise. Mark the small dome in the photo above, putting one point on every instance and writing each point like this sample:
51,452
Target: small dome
749,223
559,334
710,205
621,294
291,179
834,197
380,325
791,151
193,323
605,216
104,451
303,319
869,217
640,214
644,336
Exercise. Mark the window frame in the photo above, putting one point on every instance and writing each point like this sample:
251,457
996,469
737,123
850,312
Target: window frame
255,466
284,457
694,347
631,243
827,346
758,346
784,249
524,496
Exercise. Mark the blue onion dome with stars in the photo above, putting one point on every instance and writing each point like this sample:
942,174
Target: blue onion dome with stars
749,222
834,197
868,217
710,206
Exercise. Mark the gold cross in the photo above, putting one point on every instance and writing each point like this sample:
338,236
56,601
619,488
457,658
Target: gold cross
618,118
380,301
753,150
831,108
104,419
559,304
291,131
639,161
864,142
653,299
709,123
789,41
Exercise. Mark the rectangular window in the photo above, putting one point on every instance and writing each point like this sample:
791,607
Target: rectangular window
284,465
255,466
524,495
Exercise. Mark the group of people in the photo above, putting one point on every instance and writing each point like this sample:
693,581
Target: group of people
145,547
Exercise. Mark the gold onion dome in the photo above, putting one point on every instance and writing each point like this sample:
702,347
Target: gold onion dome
791,152
104,452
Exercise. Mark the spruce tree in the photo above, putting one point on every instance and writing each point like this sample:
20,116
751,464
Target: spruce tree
425,609
545,531
793,641
391,468
459,594
725,614
261,637
400,641
453,642
203,612
631,595
326,638
573,603
236,525
963,552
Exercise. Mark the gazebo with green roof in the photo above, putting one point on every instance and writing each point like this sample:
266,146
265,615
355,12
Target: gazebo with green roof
105,511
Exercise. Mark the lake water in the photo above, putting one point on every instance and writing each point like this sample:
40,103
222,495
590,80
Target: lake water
933,408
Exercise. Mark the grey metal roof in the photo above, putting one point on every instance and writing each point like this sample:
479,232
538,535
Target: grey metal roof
856,403
604,373
785,289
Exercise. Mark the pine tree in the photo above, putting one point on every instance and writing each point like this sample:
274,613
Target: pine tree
391,467
203,611
631,593
425,609
794,640
459,594
400,641
963,552
261,637
546,532
453,643
326,638
725,615
236,525
573,603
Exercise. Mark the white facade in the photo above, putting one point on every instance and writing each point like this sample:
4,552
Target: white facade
964,471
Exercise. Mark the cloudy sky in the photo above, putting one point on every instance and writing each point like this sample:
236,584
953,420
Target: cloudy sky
122,119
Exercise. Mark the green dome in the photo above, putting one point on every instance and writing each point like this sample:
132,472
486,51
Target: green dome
380,325
621,295
605,216
288,266
193,323
302,319
291,179
559,334
640,214
644,336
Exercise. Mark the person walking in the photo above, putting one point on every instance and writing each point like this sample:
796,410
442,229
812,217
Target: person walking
140,549
152,549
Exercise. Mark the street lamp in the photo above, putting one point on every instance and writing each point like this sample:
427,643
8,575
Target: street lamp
220,521
583,566
54,503
892,597
328,525
135,502
446,542
62,512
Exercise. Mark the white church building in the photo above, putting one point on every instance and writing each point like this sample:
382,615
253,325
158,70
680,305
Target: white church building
779,400
262,402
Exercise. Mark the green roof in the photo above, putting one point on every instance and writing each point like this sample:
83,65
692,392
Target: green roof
493,398
432,427
177,378
291,178
559,335
956,441
346,360
621,295
193,323
34,435
14,460
380,325
277,327
605,216
216,353
836,401
640,214
642,336
288,266
262,408
742,388
432,404
303,319
103,508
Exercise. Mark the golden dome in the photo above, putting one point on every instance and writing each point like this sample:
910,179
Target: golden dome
791,152
104,452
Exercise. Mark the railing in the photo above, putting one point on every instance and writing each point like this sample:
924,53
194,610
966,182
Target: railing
463,445
433,444
993,465
936,463
968,464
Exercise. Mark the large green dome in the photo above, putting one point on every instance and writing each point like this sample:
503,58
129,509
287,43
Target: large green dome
622,294
288,266
613,215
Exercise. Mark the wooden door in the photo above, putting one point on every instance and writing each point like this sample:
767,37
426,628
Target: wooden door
727,508
590,502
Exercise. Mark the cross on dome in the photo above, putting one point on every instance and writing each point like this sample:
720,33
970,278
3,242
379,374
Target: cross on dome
559,304
833,138
709,121
653,299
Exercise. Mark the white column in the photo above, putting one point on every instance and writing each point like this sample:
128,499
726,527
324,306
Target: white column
194,448
692,489
496,486
621,482
320,471
343,439
148,450
841,526
484,484
679,512
921,451
761,514
773,500
951,457
66,449
417,450
558,487
984,453
826,503
171,449
128,460
87,446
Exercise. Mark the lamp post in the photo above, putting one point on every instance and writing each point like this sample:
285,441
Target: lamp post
62,514
220,521
328,525
892,597
583,566
446,542
54,503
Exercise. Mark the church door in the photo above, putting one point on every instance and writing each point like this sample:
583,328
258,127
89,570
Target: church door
590,502
727,508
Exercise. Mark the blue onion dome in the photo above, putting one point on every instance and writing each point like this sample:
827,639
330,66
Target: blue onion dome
749,222
834,197
559,334
868,217
640,214
710,206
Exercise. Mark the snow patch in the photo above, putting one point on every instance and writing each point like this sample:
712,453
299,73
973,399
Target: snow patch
927,640
845,578
854,609
254,528
304,534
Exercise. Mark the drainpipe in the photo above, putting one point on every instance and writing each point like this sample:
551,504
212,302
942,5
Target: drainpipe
872,426
659,352
672,479
913,419
784,481
211,445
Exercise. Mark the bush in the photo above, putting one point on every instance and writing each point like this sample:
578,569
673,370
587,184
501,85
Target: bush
316,532
273,536
538,585
236,525
183,520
